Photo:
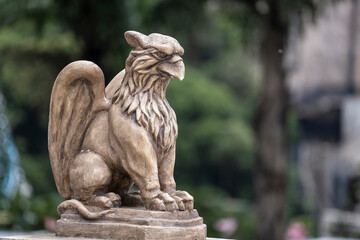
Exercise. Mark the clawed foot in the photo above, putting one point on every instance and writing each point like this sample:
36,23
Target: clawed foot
176,200
183,199
162,202
109,200
114,198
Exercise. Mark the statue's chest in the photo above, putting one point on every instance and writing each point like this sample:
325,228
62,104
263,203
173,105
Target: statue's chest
166,137
155,115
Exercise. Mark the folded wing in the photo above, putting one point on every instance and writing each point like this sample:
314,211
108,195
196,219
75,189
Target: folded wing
77,95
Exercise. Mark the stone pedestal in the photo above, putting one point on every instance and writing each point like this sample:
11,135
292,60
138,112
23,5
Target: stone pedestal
130,223
53,237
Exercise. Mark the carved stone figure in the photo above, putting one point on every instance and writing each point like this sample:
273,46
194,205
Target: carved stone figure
103,140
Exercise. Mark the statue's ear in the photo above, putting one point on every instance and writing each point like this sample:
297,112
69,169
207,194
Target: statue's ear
136,40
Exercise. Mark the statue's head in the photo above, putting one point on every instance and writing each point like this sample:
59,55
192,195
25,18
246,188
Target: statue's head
155,54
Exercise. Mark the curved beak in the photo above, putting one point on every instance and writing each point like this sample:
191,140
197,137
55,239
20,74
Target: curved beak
174,67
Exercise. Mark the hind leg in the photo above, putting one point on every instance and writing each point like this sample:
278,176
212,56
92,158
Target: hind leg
89,180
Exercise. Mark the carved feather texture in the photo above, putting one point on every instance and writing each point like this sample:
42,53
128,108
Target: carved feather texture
143,93
77,95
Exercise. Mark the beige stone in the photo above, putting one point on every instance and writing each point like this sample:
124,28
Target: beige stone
129,223
53,237
103,140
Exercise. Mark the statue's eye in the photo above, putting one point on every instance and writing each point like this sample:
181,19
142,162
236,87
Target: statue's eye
161,55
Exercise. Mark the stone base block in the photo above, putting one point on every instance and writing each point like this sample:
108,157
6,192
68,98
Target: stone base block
135,224
53,237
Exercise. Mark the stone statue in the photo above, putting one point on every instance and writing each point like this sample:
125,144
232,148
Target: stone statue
103,140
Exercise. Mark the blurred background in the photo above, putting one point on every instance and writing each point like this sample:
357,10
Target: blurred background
268,113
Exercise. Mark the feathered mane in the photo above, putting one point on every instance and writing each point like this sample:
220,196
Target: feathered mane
141,96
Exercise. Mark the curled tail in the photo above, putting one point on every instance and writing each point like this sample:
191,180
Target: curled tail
83,211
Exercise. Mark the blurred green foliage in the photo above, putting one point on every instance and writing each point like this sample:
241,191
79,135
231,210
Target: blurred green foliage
215,142
214,104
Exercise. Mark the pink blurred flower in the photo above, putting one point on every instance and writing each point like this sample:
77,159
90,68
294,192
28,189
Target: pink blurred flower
50,224
296,231
226,226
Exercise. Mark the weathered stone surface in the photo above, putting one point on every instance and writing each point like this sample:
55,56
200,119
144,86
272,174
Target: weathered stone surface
103,140
131,224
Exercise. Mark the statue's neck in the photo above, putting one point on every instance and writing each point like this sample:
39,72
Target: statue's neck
145,83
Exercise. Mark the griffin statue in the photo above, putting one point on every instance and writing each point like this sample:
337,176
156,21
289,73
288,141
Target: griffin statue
103,140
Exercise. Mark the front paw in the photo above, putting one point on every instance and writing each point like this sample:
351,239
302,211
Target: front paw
183,199
161,202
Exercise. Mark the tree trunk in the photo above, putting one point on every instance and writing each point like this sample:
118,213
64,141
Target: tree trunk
270,166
